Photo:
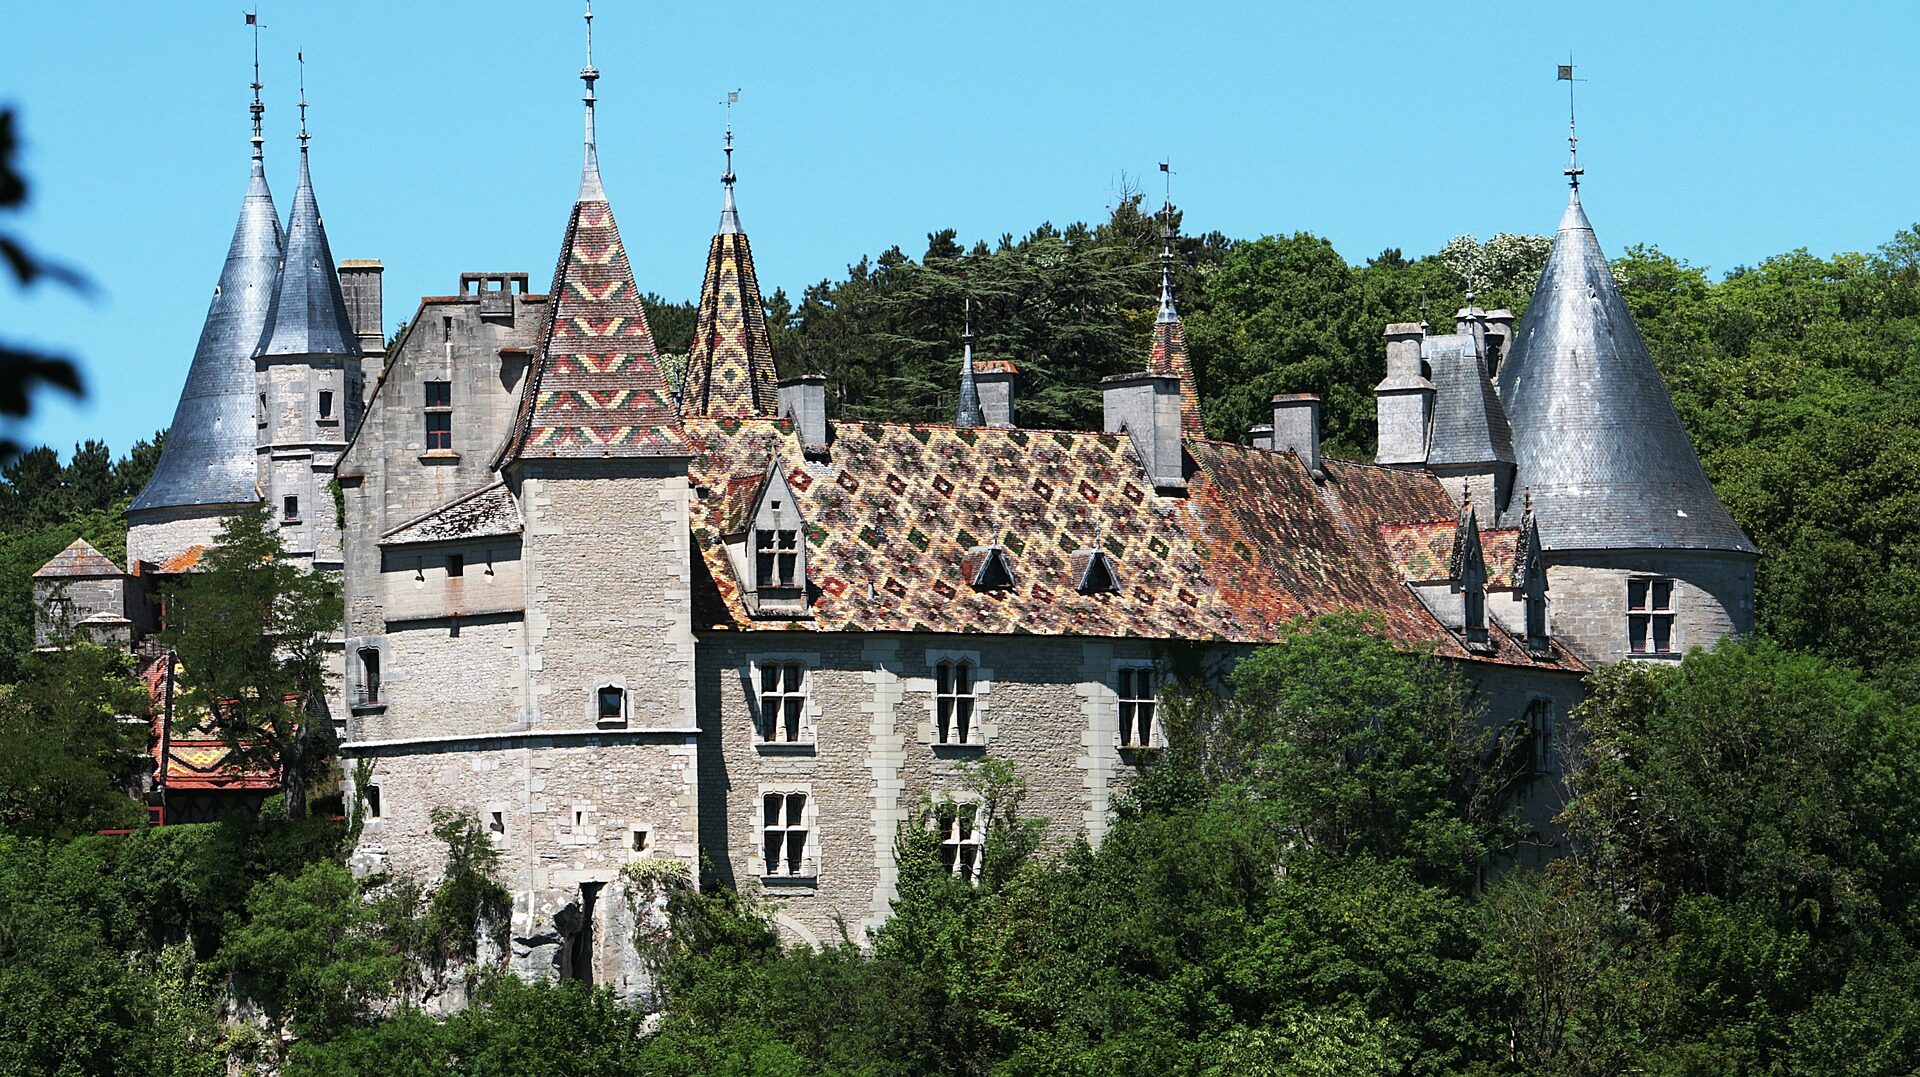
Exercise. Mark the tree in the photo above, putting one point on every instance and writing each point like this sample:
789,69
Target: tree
23,371
68,750
250,629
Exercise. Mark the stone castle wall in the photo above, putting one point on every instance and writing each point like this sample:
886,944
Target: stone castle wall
1587,598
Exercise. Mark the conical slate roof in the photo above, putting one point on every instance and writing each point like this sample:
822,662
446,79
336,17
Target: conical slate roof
208,458
730,370
1469,425
967,411
1597,440
308,315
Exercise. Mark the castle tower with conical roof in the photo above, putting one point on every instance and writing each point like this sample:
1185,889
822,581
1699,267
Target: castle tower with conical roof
1644,560
208,467
308,381
730,370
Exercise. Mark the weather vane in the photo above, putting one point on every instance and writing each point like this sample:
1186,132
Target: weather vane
1573,170
258,109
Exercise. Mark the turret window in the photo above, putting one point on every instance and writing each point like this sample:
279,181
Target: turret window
369,675
1650,615
439,415
326,405
290,508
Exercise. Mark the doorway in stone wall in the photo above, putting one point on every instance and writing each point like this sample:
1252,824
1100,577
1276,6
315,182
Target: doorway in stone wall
578,963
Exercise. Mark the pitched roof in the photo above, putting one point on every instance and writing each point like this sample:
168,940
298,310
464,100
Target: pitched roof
1469,425
484,513
1424,552
308,315
78,561
209,456
896,517
1168,355
595,389
1595,434
197,760
730,370
967,410
187,560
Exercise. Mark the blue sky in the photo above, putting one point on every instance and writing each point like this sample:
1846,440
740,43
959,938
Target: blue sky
446,136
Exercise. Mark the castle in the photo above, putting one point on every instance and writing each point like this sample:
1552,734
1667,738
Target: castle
716,626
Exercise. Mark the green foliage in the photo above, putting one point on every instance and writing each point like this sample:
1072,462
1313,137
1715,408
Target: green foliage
251,630
467,898
72,742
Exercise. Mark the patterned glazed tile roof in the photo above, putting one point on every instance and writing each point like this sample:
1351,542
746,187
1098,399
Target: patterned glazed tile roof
897,515
78,561
485,512
1168,355
596,389
1424,552
995,366
730,370
196,759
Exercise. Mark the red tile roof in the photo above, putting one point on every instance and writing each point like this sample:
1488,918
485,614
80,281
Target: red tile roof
196,759
596,389
894,511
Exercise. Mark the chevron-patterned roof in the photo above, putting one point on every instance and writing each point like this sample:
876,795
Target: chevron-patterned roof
730,370
596,388
1169,356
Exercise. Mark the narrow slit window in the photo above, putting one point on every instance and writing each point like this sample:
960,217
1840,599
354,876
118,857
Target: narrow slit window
953,706
783,702
1540,732
326,403
372,795
369,675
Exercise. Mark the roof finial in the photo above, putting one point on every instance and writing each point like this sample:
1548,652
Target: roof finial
729,214
258,109
968,412
1573,171
302,57
590,189
1167,311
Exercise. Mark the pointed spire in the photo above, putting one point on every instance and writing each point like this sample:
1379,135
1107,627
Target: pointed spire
1169,352
968,412
1595,436
209,457
308,314
1573,171
595,389
590,189
730,369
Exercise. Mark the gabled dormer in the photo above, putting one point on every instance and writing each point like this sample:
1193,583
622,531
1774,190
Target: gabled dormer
1530,582
1468,569
766,544
986,569
1093,572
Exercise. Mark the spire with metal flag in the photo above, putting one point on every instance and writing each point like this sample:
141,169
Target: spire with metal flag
730,367
968,412
209,455
1169,352
590,189
308,315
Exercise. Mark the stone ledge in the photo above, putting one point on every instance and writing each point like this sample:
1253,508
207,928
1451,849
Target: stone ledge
521,738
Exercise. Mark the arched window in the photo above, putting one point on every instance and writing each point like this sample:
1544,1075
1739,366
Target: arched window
610,705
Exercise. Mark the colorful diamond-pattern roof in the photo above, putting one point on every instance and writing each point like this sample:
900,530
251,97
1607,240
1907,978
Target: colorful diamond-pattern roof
893,514
596,388
196,759
1424,551
1169,356
730,370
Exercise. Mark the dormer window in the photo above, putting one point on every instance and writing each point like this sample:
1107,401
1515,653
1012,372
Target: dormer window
987,570
1093,573
1476,608
776,564
770,551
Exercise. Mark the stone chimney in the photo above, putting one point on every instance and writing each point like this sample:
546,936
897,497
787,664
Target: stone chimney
994,380
1261,436
360,286
1147,408
1296,426
1403,400
804,400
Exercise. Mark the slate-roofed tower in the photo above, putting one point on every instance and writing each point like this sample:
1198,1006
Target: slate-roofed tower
1169,352
1644,558
730,370
207,469
308,380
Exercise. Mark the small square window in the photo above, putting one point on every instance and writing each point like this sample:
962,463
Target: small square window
640,842
497,822
456,564
611,705
439,394
290,507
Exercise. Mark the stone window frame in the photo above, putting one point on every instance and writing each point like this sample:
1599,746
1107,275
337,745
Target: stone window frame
810,708
431,410
950,814
808,825
1542,734
594,710
1654,614
326,410
1156,730
981,730
359,702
